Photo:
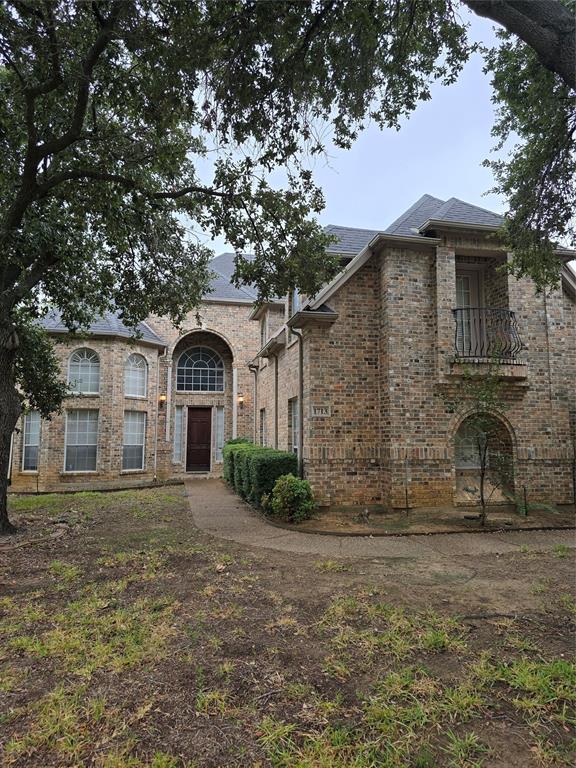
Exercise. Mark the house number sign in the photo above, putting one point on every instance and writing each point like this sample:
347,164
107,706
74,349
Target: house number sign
318,411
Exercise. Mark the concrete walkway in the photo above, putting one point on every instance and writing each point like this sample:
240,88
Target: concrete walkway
219,512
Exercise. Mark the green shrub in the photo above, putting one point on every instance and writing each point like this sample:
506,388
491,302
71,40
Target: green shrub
263,468
252,469
291,499
228,456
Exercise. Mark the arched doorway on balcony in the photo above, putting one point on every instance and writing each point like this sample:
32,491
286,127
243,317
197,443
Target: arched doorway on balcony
483,460
202,400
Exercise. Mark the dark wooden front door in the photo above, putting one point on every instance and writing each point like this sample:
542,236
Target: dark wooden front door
198,441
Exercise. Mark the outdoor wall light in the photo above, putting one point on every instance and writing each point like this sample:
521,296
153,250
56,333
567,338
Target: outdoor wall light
161,401
240,400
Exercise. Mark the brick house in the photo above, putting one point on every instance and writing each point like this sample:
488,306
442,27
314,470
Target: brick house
358,379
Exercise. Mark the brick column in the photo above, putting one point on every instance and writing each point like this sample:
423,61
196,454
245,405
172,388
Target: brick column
445,303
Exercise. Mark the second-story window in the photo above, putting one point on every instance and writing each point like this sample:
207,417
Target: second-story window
135,376
200,370
293,302
84,372
263,331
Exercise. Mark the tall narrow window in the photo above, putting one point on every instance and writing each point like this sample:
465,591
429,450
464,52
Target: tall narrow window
200,370
262,426
294,303
294,424
219,426
263,331
84,372
135,376
134,440
178,433
31,441
81,441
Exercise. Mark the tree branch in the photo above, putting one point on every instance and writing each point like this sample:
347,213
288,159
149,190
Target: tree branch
547,26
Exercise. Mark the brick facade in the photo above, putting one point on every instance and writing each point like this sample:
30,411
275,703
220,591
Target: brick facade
378,383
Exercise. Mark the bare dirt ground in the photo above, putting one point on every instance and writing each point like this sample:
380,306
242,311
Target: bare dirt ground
128,638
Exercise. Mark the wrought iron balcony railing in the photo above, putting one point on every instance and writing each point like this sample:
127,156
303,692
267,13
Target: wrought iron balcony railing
486,333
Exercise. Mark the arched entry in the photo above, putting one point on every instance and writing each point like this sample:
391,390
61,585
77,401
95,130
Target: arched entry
202,400
484,460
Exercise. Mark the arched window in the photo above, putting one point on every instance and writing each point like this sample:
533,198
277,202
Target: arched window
200,370
84,372
135,376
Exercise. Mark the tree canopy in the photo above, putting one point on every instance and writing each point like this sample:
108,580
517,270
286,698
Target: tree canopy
112,110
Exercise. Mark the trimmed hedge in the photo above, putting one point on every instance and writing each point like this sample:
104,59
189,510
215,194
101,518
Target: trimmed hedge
228,454
252,470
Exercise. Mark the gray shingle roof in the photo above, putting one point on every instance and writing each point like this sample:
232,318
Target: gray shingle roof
350,239
455,210
409,222
221,286
108,324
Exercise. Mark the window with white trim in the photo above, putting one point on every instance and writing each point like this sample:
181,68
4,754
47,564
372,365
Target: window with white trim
81,444
134,440
294,424
263,330
177,448
294,302
219,429
31,441
200,369
84,372
135,376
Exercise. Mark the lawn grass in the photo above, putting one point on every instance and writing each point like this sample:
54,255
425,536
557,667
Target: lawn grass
136,641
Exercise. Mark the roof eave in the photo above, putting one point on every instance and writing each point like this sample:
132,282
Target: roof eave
441,224
102,335
274,345
305,318
259,309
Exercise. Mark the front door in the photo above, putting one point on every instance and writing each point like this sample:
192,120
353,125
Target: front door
199,439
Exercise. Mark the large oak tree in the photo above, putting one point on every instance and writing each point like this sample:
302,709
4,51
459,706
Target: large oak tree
129,126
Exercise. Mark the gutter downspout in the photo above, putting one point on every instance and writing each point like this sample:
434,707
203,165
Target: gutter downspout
163,355
300,402
255,368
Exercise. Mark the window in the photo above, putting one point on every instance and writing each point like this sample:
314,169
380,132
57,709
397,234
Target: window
134,439
200,370
31,441
178,434
293,302
135,376
81,442
263,331
84,372
219,433
294,424
262,426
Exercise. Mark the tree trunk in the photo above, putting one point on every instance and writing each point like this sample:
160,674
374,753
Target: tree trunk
547,26
10,409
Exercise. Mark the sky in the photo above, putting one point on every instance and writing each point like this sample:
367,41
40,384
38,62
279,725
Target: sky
439,150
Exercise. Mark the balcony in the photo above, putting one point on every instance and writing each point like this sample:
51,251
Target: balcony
484,335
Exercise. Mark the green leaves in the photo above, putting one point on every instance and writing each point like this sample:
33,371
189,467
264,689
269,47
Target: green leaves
538,178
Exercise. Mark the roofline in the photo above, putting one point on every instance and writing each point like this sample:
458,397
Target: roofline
241,302
305,317
361,258
457,225
104,335
259,308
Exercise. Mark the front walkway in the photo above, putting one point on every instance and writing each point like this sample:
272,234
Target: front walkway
217,511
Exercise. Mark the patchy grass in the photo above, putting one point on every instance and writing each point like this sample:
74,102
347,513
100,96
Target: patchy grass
136,641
